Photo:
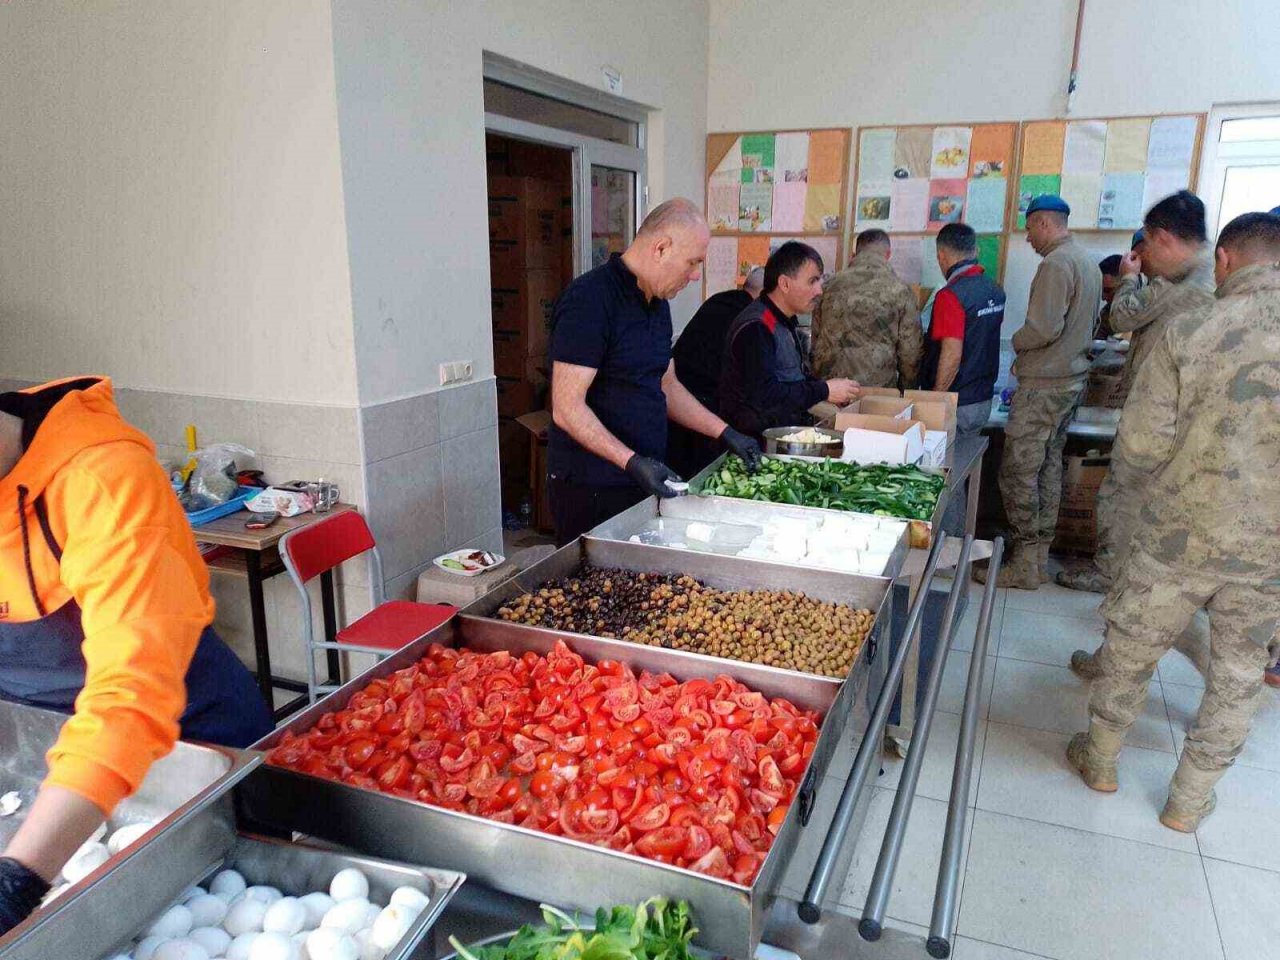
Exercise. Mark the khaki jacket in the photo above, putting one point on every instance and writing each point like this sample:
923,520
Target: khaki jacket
1144,311
1053,345
1204,417
867,326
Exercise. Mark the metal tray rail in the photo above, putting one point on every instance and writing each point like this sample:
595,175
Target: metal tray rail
920,531
532,864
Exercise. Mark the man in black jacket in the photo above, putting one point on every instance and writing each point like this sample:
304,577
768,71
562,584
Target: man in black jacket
764,382
698,354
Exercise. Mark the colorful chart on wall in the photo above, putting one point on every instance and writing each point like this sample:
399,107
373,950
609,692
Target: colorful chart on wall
915,179
730,259
789,181
914,258
1110,171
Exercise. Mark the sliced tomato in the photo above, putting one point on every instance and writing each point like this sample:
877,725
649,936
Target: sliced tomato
651,817
745,867
762,802
771,780
698,842
358,753
524,763
458,762
663,842
713,863
776,816
602,822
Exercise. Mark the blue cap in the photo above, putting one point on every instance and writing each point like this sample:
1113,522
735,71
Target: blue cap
1275,210
1048,201
1138,237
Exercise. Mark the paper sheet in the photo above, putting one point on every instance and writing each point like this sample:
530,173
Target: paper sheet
722,264
755,207
1033,186
875,155
1127,146
822,207
1160,183
788,206
989,254
909,206
722,203
932,274
946,202
1086,145
791,156
829,249
1081,193
873,205
912,152
1121,204
986,200
758,152
732,162
827,157
950,152
991,150
1171,145
906,260
1042,146
752,252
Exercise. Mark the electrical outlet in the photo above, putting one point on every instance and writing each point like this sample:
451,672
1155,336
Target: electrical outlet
456,372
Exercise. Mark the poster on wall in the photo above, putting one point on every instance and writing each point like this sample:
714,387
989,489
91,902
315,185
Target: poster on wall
787,182
730,259
915,258
1110,171
917,179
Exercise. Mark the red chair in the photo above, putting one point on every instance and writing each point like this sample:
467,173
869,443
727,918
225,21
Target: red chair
314,551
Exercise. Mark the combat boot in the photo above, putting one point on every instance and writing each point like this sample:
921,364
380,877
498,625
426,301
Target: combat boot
1191,796
1021,572
1094,756
1085,665
1087,578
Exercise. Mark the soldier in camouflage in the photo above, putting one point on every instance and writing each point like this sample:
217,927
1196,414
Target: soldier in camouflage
867,326
1051,366
1206,399
1176,254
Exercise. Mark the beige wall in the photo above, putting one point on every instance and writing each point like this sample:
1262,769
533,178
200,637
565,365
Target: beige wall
171,201
857,62
411,107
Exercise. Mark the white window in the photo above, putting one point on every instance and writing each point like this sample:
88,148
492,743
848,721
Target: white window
1240,172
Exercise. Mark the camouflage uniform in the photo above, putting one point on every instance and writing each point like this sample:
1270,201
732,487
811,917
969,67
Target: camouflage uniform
1051,366
867,326
1202,425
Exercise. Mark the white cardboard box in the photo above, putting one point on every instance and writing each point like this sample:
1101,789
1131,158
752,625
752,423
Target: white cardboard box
895,442
935,448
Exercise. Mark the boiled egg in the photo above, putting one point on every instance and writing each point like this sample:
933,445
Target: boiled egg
228,885
174,922
287,915
349,884
245,916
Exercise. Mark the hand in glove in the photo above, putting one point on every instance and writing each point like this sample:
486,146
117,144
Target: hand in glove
20,893
652,476
743,446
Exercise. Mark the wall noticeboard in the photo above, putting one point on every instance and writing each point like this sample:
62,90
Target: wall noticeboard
730,259
1109,170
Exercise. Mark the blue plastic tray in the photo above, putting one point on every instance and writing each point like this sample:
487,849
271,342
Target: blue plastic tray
223,509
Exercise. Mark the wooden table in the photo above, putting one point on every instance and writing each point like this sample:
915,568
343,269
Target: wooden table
253,554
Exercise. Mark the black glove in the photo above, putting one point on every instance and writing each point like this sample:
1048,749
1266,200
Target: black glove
652,476
21,891
743,446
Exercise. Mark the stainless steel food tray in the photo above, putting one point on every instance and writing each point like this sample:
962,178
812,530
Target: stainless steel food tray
727,510
539,866
173,783
920,532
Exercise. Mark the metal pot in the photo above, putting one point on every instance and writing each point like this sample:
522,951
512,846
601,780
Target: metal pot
773,443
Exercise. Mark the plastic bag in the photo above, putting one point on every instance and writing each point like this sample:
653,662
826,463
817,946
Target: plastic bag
214,479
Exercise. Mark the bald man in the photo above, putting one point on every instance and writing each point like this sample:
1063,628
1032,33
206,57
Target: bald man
613,383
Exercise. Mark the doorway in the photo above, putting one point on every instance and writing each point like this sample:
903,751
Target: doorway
566,190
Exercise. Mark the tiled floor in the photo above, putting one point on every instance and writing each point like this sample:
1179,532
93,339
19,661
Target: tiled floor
1054,870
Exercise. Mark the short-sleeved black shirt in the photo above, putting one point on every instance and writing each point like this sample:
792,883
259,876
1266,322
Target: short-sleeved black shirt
603,321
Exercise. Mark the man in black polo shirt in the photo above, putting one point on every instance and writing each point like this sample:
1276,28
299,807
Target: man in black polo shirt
613,384
962,347
765,382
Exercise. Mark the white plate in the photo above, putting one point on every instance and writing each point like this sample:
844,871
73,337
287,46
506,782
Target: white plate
461,557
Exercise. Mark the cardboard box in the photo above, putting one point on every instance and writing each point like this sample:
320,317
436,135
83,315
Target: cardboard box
936,410
935,448
1077,530
877,439
522,320
524,225
517,396
877,406
1106,390
538,423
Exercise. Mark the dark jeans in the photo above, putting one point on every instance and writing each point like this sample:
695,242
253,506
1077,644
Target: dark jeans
577,507
970,419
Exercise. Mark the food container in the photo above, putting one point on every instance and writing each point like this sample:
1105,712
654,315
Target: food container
920,532
775,443
172,784
558,870
468,563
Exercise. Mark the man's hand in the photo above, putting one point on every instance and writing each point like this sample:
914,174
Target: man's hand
742,446
21,890
842,392
652,476
1130,264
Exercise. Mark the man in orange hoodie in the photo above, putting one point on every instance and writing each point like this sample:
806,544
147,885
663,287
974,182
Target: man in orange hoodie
105,614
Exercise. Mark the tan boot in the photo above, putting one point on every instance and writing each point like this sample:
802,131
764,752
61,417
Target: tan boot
1087,578
1085,665
1186,817
1019,571
1043,562
1191,796
1097,770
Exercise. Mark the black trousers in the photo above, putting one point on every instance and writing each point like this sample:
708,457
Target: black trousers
577,507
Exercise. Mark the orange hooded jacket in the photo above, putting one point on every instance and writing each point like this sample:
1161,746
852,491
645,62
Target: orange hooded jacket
129,560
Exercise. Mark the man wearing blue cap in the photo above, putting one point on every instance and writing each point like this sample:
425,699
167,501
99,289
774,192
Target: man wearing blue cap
1052,366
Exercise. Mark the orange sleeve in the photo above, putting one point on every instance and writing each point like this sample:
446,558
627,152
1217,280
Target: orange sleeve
142,611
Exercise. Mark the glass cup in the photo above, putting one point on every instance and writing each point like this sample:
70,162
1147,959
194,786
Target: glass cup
324,495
